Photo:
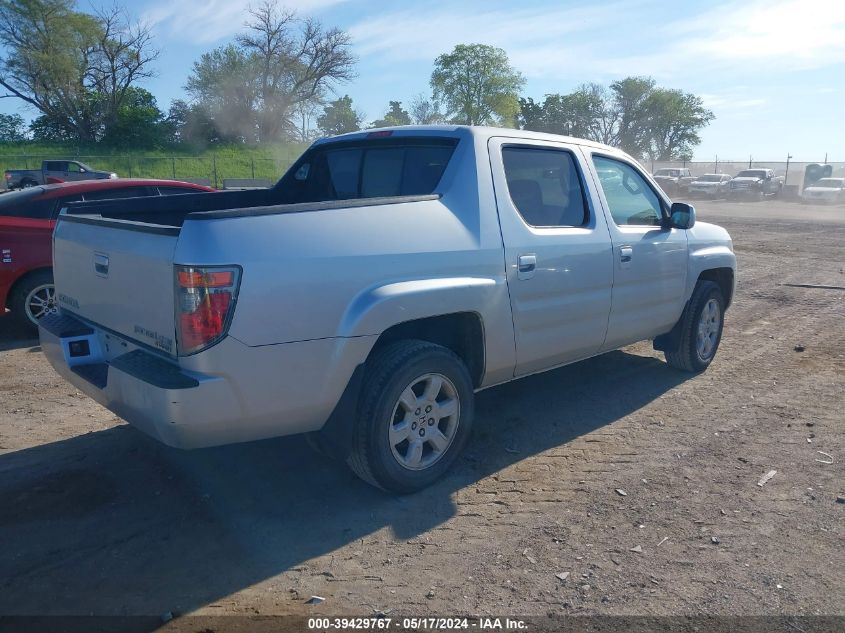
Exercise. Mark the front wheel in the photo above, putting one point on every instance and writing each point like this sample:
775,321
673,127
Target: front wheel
700,329
415,416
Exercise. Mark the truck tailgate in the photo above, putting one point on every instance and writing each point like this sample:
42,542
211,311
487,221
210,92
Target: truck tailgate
118,275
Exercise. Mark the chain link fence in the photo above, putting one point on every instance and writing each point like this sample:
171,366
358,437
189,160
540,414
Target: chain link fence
214,168
210,169
792,172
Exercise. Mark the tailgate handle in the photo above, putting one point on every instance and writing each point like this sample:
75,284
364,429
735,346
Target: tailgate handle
101,264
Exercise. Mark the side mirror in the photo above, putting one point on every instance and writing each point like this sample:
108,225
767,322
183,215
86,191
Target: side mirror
681,216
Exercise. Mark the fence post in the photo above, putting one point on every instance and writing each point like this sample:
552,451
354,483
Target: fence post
749,161
214,168
173,167
717,163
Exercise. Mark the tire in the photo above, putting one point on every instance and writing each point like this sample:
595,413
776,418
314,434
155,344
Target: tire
24,299
704,314
398,394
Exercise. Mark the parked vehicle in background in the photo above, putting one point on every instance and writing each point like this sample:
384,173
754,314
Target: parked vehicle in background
674,180
825,190
756,184
710,186
27,219
384,279
53,171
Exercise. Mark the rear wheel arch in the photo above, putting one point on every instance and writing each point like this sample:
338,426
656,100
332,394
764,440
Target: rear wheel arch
460,332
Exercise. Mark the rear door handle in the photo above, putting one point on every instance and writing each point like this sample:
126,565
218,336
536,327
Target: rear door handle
626,254
526,266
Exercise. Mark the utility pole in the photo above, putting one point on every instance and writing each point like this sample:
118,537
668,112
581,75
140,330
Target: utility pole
786,175
749,161
825,158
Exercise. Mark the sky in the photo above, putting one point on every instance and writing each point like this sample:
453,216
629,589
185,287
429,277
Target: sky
773,72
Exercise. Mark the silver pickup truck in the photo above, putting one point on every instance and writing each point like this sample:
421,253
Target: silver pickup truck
388,276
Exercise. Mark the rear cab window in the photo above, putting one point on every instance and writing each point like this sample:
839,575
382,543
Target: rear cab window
368,168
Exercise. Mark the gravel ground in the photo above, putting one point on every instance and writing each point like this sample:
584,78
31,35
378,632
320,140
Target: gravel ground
97,519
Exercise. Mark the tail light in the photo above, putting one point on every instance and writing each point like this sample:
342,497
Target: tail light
205,303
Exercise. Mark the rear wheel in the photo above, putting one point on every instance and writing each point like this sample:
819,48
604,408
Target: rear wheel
33,298
701,329
415,416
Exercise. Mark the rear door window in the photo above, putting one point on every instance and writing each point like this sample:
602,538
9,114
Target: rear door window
368,169
545,187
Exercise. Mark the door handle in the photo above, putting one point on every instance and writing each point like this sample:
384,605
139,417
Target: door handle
526,266
626,254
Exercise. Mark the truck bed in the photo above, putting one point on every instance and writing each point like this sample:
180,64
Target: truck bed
172,211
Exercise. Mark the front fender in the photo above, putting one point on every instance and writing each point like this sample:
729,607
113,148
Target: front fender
709,258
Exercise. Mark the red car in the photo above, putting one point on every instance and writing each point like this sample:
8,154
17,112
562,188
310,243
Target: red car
27,218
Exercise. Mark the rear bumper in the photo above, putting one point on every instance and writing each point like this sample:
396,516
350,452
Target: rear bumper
233,393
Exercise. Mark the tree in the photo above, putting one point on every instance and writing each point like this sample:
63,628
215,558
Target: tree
575,114
339,117
395,116
477,85
190,124
426,111
225,84
139,122
674,119
630,96
12,128
72,67
633,114
257,87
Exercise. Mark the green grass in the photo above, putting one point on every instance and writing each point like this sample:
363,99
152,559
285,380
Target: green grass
266,161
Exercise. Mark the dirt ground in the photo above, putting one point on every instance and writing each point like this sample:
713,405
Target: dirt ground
97,519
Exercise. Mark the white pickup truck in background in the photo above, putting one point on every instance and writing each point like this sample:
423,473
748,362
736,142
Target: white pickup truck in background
388,276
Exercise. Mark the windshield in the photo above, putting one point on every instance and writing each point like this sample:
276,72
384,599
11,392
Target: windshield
751,173
833,183
709,178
